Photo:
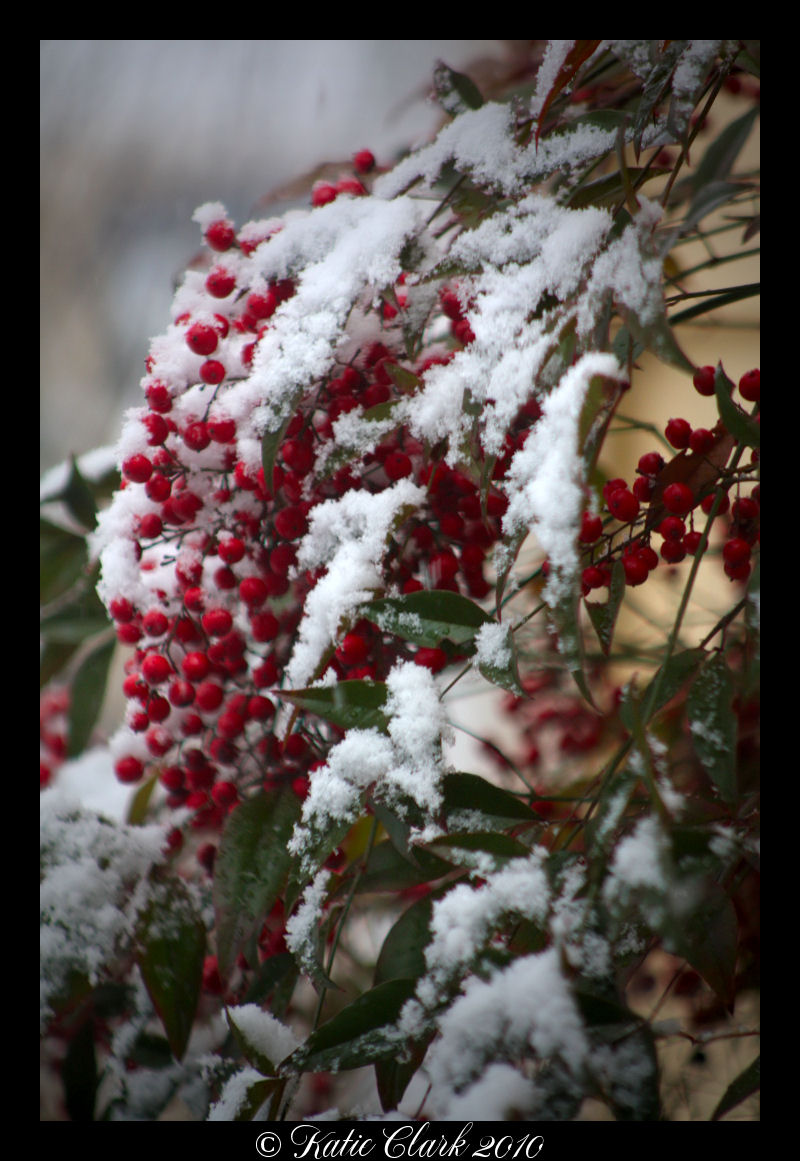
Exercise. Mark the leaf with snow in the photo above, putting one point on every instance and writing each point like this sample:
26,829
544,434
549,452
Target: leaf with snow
171,946
713,724
428,617
359,1034
496,656
251,868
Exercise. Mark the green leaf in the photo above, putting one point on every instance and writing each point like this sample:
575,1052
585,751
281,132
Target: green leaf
564,617
63,560
719,158
270,446
171,945
427,617
402,955
708,939
745,1085
80,1075
462,849
668,681
251,868
405,381
389,870
352,705
463,792
604,617
455,92
737,421
713,724
359,1034
137,811
505,675
316,850
255,1095
252,1052
610,190
716,302
655,85
86,694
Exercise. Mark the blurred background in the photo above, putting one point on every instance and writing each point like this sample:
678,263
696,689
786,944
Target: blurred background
135,134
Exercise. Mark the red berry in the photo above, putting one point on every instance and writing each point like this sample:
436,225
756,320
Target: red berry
157,428
202,339
592,578
156,669
736,551
612,486
196,436
678,433
260,708
181,693
128,769
231,550
353,650
623,505
750,386
220,235
291,523
195,666
397,465
158,397
364,161
222,430
701,441
155,623
678,499
230,724
591,528
703,380
650,464
672,528
253,591
323,193
217,622
208,696
673,551
433,659
121,610
220,282
212,372
691,541
138,469
158,488
635,567
644,488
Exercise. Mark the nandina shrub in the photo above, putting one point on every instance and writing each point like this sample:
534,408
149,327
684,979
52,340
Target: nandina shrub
371,467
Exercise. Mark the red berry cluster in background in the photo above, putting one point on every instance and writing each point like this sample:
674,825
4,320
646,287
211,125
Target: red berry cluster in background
670,499
53,731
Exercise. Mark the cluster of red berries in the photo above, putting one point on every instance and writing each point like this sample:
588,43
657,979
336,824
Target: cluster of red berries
213,616
53,731
663,501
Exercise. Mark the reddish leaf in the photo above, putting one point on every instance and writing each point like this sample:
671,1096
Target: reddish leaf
579,53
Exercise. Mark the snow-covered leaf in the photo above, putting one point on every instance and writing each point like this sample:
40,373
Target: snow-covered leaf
428,617
251,868
171,945
359,1034
713,724
348,704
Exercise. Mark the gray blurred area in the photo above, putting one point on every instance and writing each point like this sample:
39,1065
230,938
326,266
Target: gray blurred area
135,134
